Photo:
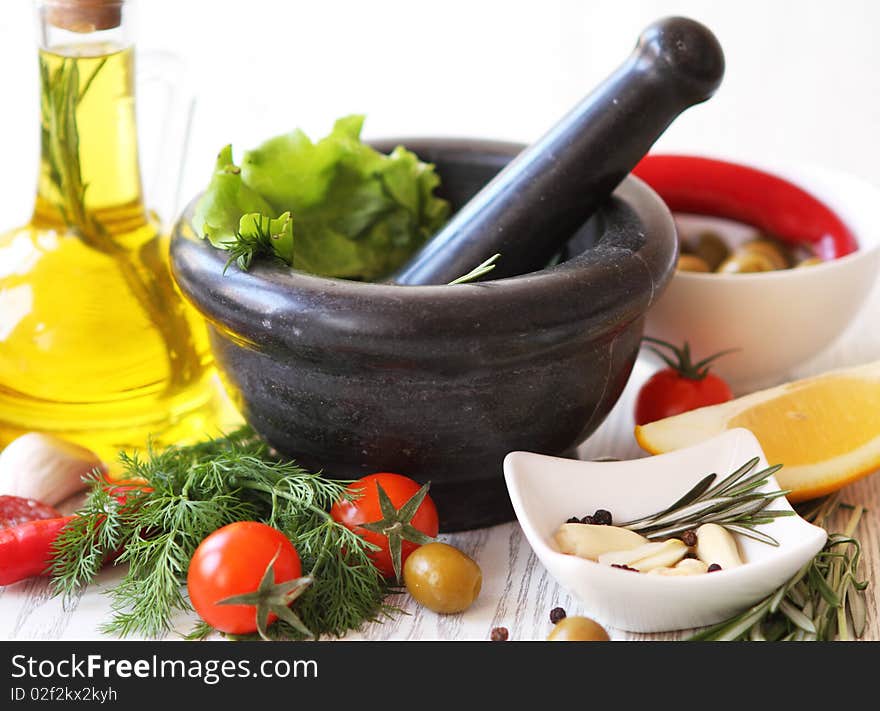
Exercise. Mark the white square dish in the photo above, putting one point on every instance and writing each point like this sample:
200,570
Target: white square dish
546,491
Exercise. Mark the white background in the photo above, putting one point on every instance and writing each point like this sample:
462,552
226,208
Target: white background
803,82
803,78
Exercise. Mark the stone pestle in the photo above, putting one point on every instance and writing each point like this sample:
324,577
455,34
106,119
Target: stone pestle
528,212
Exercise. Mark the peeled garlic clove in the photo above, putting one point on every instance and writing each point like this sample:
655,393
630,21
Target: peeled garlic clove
684,567
627,557
46,468
672,551
589,541
668,572
715,544
659,554
692,566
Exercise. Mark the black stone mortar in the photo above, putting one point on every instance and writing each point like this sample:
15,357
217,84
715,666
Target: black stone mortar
437,382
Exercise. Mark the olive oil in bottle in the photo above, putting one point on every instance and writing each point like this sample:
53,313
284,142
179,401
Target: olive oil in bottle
96,344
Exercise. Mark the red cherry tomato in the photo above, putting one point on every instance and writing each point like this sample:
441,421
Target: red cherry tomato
668,393
232,561
679,388
366,509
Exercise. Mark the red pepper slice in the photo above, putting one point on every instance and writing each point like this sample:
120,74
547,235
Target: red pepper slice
17,509
26,549
716,188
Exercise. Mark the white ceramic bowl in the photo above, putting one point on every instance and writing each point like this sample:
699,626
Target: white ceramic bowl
546,491
778,320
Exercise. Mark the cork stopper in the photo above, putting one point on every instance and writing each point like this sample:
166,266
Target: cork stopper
84,15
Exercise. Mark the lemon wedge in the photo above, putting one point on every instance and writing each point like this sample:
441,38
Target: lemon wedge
824,430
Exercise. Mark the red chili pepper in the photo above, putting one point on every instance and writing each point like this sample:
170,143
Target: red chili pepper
715,188
26,549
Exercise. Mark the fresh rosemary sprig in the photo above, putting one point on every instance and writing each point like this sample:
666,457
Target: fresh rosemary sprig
189,492
61,96
824,601
736,502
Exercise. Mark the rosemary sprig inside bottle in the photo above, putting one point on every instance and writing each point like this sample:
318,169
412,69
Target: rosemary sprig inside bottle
66,97
61,95
824,601
737,502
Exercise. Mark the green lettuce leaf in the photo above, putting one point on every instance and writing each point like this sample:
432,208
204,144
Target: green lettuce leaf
219,210
359,213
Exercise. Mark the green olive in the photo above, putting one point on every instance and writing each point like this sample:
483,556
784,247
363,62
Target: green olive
692,263
809,262
442,578
578,629
778,254
746,262
711,249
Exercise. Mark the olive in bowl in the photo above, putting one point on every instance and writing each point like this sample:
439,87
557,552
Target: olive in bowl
708,251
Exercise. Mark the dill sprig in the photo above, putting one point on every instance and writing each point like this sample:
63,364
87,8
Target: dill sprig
247,246
824,601
736,502
189,492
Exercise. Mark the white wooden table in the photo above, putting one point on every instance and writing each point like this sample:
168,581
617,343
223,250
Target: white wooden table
517,592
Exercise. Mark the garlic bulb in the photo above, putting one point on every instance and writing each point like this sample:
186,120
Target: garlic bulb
45,468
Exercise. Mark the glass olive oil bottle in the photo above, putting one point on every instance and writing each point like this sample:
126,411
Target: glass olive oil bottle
96,344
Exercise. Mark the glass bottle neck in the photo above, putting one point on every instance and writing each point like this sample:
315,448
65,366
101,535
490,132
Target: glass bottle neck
89,178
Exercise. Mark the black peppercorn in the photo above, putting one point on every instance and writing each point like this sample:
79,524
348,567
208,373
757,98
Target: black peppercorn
573,519
556,614
712,568
602,517
588,519
689,538
499,634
